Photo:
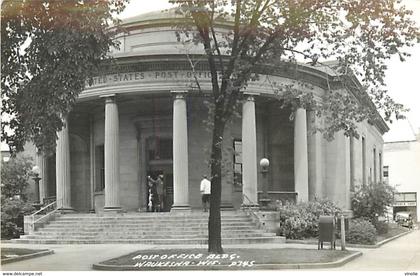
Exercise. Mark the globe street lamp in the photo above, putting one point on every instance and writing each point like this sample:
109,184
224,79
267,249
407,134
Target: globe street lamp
36,178
264,165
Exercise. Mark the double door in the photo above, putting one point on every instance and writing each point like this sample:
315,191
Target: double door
167,198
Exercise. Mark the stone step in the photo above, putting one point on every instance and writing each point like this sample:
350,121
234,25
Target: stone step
136,220
51,228
152,241
151,214
147,228
145,236
137,231
145,225
147,218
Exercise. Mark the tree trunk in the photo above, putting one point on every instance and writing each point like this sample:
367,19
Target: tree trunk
215,229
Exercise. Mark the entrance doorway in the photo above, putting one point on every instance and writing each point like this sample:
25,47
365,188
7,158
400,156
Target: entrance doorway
159,164
165,192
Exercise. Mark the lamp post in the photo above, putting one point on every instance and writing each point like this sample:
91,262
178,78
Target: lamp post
264,165
36,178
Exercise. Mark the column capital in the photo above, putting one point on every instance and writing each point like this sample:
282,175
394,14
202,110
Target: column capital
179,94
249,97
109,98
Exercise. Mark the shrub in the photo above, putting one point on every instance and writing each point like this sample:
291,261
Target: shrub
371,201
382,227
361,231
299,221
11,210
15,176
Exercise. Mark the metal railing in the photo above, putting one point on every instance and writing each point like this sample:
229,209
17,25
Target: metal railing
41,216
250,209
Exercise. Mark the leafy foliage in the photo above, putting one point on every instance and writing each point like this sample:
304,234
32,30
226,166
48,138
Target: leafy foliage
361,231
299,221
370,201
12,212
49,50
15,176
360,35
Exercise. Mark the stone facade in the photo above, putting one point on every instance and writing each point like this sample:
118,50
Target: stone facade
143,116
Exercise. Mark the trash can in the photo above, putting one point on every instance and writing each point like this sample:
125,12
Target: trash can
326,231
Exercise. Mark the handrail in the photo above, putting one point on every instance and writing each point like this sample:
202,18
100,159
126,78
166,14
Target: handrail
43,208
33,221
250,210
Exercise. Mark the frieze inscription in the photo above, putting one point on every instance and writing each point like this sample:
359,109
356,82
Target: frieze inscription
121,78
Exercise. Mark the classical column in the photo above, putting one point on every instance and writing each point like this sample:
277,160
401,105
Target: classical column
180,152
112,156
301,156
41,162
92,162
62,166
315,159
249,153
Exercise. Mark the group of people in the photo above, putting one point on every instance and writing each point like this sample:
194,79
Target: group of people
155,194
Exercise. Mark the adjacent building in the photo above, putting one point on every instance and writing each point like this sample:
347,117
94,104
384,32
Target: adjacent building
402,167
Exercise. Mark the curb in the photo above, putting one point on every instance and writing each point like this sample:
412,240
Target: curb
28,256
352,245
337,263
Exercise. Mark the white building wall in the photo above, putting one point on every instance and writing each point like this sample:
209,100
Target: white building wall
403,159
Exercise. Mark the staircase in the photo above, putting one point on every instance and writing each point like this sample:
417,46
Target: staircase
148,228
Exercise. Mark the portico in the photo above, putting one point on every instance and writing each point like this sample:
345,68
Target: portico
144,116
184,191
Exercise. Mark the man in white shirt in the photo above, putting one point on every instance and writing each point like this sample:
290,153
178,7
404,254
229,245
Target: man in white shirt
205,189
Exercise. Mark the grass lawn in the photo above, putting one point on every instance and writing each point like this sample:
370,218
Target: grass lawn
7,253
393,230
239,258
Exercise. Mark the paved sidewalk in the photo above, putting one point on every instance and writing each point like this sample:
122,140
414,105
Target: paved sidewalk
81,257
400,254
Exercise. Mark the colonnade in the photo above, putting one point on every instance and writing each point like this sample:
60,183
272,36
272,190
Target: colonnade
180,156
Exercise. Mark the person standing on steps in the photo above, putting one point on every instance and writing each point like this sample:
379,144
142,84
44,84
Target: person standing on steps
205,190
160,192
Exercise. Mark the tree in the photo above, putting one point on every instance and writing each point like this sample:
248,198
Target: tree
15,175
360,35
50,49
371,201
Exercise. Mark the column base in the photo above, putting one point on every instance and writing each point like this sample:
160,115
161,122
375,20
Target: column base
226,207
254,207
113,209
181,209
66,210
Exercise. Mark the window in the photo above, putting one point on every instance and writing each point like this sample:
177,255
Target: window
386,171
100,168
380,167
159,148
364,160
237,163
374,166
352,163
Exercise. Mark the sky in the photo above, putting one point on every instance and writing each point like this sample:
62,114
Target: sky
402,77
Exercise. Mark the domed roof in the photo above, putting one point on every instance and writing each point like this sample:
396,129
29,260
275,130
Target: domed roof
160,15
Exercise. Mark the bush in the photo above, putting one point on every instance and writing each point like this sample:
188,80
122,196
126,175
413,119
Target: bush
382,227
361,231
299,221
15,176
371,201
11,211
